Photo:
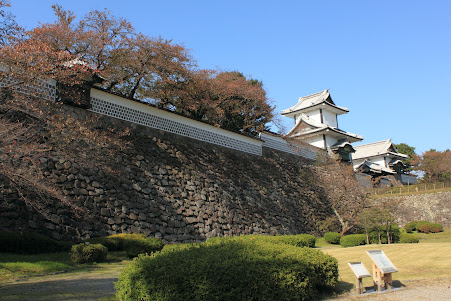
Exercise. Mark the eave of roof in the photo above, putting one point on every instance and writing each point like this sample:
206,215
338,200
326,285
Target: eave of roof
339,110
328,129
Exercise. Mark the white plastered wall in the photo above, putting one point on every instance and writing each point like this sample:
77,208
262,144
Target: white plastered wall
140,113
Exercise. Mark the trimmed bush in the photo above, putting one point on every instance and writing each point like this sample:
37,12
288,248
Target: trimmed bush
435,228
132,244
135,244
410,226
88,253
424,228
419,224
134,247
111,243
353,240
238,268
298,240
332,237
406,238
30,243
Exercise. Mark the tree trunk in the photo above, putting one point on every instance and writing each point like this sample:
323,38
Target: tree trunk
367,237
388,234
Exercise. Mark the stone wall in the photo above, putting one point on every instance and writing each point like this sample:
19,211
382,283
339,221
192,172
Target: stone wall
434,207
126,178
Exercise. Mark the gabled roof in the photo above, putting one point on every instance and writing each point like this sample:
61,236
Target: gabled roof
308,102
306,127
373,168
384,147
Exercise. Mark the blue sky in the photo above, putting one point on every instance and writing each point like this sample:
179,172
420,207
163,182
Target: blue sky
387,61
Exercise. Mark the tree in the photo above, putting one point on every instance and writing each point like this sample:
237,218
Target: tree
436,165
378,220
9,29
344,192
137,66
226,99
410,163
367,220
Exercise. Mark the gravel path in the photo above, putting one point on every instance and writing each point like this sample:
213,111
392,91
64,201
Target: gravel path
84,286
74,287
428,290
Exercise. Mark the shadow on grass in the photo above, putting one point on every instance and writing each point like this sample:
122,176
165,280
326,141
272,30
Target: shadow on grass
342,288
61,289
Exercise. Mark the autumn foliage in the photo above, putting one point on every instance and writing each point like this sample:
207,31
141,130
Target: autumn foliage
436,165
105,50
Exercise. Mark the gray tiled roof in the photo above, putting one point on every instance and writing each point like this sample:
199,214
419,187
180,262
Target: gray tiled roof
384,147
313,100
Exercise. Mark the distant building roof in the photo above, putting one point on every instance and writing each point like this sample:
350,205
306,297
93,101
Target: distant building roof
384,147
313,100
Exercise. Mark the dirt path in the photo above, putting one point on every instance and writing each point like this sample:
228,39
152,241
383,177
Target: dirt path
77,286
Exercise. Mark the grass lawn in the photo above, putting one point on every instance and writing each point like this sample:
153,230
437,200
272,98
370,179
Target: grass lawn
440,237
431,258
14,266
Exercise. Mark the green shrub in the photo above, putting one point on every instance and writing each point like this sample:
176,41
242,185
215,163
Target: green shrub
298,240
420,224
424,228
413,225
332,237
238,268
406,238
88,253
435,228
353,240
132,244
135,244
111,243
410,226
30,243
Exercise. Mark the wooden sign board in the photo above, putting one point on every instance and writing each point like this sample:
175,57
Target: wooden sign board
359,269
381,261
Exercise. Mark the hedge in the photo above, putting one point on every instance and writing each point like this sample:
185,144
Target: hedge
111,243
88,253
410,226
406,238
30,243
239,268
132,244
423,226
298,240
353,240
435,227
332,237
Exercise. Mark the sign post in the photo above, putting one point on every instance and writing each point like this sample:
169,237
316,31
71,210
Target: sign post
382,270
360,272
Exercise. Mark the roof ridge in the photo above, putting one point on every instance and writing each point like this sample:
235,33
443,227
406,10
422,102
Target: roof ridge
372,143
314,94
